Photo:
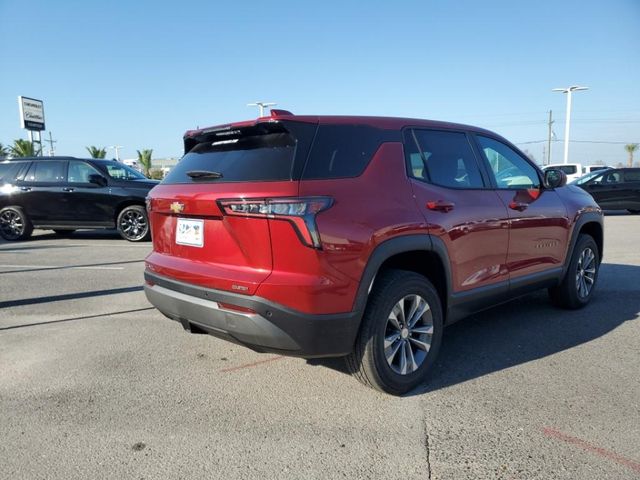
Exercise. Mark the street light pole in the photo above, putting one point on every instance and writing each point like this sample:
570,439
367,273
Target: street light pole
117,149
261,106
567,125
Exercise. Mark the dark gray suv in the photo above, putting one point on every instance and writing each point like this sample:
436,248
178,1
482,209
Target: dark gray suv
67,193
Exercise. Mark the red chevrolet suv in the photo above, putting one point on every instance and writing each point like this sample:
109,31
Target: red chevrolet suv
362,237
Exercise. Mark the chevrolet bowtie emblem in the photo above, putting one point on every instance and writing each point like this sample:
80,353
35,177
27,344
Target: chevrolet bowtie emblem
176,207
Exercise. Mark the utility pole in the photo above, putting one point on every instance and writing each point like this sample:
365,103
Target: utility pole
261,106
549,139
51,141
568,91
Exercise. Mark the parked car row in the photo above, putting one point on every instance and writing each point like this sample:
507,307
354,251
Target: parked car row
575,170
66,193
613,188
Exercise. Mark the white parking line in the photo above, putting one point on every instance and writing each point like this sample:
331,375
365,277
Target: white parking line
44,246
49,267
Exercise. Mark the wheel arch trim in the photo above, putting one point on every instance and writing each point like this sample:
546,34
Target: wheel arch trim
582,220
394,246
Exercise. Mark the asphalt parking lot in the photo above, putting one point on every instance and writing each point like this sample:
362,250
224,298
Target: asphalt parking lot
96,384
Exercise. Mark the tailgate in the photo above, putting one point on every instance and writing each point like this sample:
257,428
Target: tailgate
236,251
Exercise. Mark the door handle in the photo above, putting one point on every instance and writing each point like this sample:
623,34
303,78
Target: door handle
520,206
68,189
441,206
25,189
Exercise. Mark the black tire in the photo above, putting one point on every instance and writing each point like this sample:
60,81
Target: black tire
368,361
64,233
635,212
569,293
133,224
15,224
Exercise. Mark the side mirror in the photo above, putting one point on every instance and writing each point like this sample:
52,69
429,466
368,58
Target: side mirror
97,179
554,178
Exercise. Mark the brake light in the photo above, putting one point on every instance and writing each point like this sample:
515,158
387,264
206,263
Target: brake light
299,211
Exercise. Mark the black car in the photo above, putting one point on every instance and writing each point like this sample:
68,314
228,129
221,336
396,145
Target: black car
614,188
66,193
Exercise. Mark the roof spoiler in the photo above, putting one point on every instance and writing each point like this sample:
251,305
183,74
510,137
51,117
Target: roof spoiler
193,137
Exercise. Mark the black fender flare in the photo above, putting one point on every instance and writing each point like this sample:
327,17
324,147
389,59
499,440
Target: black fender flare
394,246
583,219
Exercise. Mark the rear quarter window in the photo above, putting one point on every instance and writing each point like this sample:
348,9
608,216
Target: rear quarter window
343,151
9,171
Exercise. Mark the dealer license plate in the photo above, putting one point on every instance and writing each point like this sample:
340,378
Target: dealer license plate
190,232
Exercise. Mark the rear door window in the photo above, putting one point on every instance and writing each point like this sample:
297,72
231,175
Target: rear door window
442,158
53,171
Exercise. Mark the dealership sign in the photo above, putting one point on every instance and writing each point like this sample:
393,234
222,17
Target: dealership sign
31,113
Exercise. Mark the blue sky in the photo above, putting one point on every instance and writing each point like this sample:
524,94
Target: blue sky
139,74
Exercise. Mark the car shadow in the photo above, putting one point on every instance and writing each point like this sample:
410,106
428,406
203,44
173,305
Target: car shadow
95,234
527,329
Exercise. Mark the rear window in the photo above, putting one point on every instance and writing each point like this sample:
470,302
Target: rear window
567,169
9,171
265,152
342,151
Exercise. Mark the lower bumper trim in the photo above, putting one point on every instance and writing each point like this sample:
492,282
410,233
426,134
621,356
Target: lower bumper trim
272,328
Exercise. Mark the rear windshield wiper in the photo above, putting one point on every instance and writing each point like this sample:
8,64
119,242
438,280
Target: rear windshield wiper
198,174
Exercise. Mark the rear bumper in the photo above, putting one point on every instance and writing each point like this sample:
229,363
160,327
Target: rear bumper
272,328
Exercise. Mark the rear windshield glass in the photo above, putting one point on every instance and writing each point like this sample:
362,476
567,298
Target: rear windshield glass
567,169
253,154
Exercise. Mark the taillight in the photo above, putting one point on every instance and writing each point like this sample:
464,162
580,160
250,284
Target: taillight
299,211
149,203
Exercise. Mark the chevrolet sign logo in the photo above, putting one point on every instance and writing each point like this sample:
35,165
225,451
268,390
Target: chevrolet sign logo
176,207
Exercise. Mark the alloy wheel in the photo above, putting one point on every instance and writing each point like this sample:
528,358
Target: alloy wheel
408,334
586,272
133,225
11,224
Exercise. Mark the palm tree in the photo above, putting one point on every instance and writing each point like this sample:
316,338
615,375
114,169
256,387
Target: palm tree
631,147
4,151
144,158
23,148
96,152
